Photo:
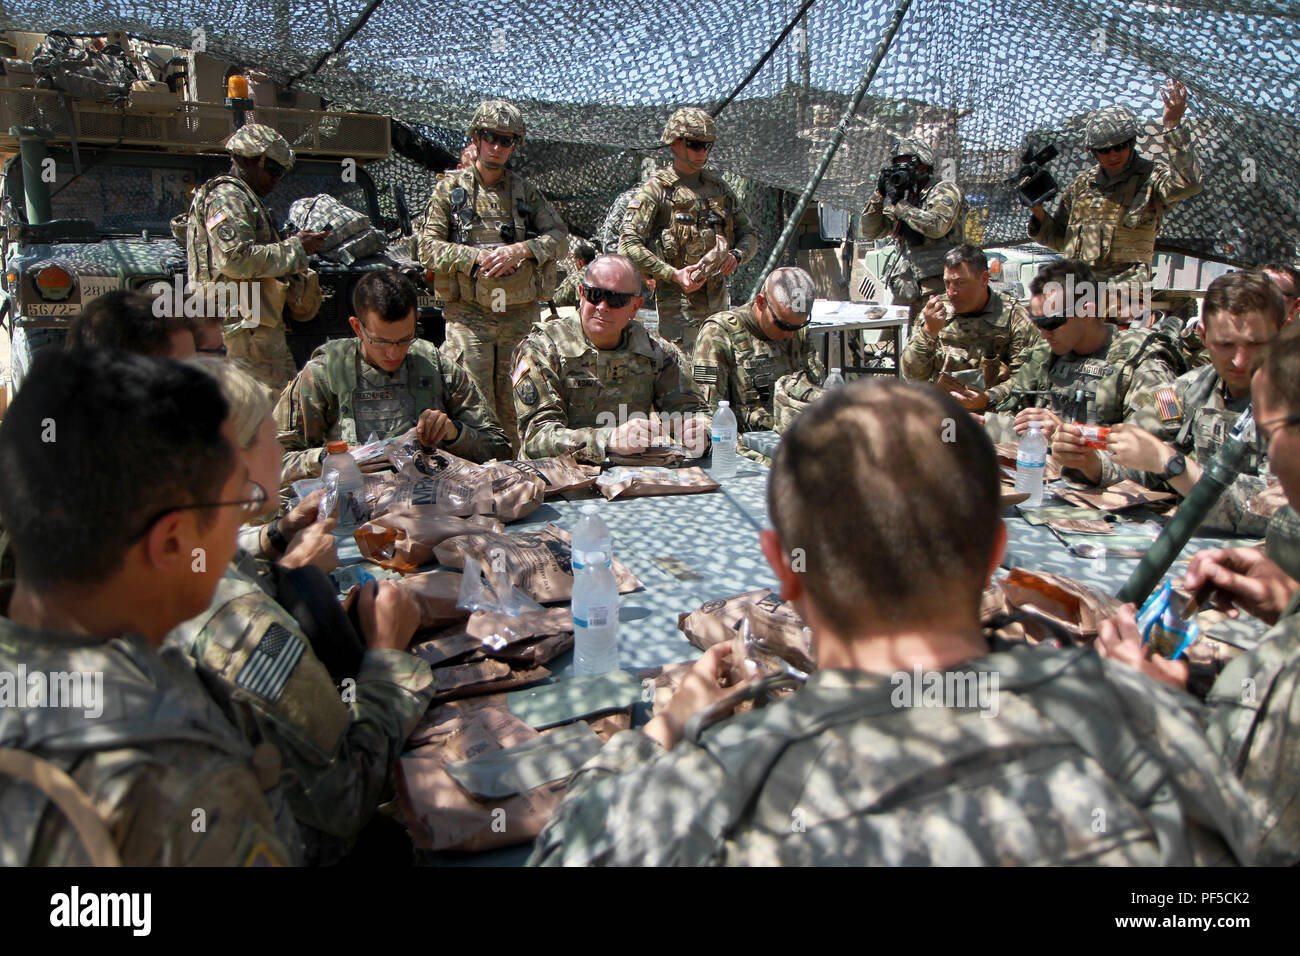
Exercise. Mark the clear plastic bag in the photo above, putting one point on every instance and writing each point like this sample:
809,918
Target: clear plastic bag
329,502
492,587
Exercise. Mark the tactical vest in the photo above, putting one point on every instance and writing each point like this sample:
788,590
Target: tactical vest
484,230
198,254
1118,227
693,217
1091,389
595,380
759,364
364,411
926,256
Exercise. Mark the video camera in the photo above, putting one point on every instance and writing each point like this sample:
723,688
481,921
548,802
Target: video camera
899,180
1033,184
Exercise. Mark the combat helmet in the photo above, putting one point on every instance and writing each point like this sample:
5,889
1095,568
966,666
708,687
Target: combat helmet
914,146
690,122
498,115
1110,127
252,140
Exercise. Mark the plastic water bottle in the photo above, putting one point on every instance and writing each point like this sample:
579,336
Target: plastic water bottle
590,537
351,487
1031,465
724,442
834,380
595,617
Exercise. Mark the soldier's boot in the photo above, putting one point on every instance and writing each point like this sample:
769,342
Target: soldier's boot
263,353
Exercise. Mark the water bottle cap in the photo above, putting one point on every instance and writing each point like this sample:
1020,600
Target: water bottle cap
334,447
724,402
589,509
835,371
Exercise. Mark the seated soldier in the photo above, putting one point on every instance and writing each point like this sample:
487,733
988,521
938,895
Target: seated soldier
575,378
886,563
741,354
1084,369
1254,704
139,492
582,252
383,381
126,320
1242,313
336,755
972,333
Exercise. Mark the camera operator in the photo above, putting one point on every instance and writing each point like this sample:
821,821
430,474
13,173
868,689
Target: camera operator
925,219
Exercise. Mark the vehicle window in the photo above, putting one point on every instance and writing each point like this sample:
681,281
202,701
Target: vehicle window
122,199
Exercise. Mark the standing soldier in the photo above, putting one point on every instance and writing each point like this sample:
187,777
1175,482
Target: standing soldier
492,241
1110,215
925,219
231,238
686,230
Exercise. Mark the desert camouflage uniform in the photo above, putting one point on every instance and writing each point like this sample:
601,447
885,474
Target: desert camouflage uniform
917,270
1111,223
488,318
159,750
998,338
255,661
1254,722
231,238
735,362
1206,414
1117,382
1084,762
338,395
793,393
564,387
668,227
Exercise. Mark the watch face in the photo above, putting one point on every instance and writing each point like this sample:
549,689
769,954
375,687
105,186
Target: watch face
1177,465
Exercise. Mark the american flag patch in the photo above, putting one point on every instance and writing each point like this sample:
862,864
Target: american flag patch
268,669
1167,404
706,374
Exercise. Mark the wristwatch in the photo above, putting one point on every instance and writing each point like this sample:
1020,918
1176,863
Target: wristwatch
275,537
1175,467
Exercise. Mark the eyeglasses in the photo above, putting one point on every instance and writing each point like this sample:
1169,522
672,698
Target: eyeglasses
1269,428
386,343
1049,322
274,169
220,350
596,296
499,139
251,505
699,145
1117,148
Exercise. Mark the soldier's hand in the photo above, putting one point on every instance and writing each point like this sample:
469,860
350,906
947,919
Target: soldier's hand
502,261
935,316
1118,638
1044,416
1175,96
311,241
633,436
729,265
433,427
1242,578
314,545
1070,451
686,279
388,615
302,514
971,398
1135,447
695,436
703,686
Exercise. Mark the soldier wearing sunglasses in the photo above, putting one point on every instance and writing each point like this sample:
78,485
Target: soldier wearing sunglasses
1110,215
231,238
492,242
685,229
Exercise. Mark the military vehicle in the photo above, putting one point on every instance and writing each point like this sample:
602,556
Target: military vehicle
89,188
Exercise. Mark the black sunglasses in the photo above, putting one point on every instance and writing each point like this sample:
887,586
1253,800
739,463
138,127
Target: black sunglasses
500,139
273,168
596,296
1049,322
1117,148
785,326
698,144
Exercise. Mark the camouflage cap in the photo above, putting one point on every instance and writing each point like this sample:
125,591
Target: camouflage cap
252,140
912,146
1110,127
499,115
690,122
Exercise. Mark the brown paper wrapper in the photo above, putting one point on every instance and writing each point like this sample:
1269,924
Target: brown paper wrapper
646,482
1076,606
1118,497
778,630
404,541
436,592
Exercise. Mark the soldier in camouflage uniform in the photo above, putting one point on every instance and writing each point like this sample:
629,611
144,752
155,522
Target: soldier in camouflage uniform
971,333
1110,215
1084,370
924,225
166,773
793,393
685,229
585,385
256,661
1067,759
493,242
231,238
567,293
1243,312
384,381
740,355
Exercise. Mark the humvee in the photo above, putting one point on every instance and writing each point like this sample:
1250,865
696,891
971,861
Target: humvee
89,188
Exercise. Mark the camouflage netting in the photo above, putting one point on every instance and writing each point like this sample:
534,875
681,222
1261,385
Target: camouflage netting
978,78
